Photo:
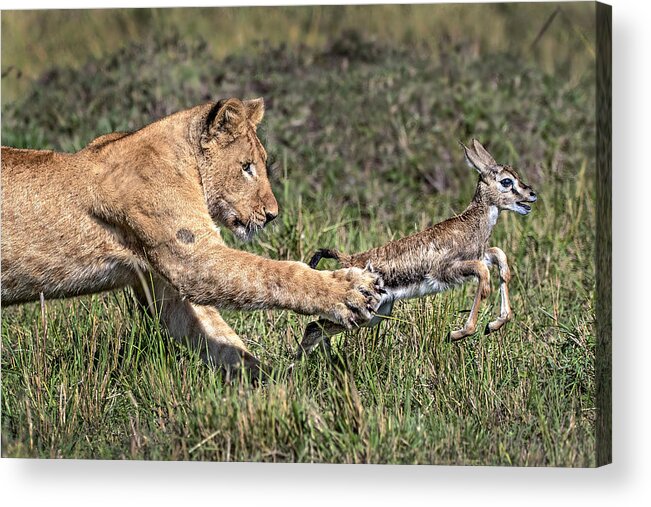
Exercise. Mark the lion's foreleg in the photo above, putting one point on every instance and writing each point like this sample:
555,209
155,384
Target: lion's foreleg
200,327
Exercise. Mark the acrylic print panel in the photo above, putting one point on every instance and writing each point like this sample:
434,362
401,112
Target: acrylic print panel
118,255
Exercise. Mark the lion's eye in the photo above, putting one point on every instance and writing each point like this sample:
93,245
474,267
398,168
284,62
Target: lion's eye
248,168
506,182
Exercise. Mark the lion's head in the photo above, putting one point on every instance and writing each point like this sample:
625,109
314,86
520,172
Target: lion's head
233,167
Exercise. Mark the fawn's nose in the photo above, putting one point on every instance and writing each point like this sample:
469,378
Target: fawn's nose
533,196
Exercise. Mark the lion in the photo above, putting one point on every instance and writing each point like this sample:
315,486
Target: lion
148,205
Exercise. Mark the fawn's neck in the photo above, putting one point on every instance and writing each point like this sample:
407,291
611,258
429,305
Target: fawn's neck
482,210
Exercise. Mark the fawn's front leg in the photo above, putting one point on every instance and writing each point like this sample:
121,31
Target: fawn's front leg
496,256
480,270
315,333
323,330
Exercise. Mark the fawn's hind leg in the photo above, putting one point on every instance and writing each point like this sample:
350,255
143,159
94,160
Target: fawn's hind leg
315,333
496,256
478,269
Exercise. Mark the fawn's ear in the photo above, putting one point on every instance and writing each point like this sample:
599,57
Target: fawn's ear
254,110
226,117
482,162
486,157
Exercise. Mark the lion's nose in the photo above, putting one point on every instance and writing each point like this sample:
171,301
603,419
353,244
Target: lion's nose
270,207
270,215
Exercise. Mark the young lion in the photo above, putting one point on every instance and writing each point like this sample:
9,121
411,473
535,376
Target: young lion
147,202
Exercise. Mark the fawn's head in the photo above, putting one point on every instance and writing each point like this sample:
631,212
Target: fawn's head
503,186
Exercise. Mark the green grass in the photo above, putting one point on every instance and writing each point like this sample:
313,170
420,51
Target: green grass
101,382
363,138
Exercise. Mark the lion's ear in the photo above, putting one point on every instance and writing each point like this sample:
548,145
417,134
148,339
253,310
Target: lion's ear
254,110
226,116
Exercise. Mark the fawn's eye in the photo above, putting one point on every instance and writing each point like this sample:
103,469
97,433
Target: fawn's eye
506,182
248,168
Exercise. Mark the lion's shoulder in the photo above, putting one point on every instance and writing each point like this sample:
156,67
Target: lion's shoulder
102,141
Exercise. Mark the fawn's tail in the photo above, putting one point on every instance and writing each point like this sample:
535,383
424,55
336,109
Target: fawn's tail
327,253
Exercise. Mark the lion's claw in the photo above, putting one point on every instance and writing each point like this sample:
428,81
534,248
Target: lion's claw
360,298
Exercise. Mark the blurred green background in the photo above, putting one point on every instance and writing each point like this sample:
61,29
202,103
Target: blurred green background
33,41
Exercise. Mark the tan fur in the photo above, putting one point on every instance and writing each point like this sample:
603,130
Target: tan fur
444,255
147,201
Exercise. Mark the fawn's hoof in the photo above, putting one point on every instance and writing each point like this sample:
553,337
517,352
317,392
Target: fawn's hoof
455,336
491,327
496,325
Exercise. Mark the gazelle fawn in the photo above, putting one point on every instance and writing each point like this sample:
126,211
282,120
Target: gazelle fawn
444,255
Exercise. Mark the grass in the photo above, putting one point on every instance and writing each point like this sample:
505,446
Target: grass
363,138
94,380
31,38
